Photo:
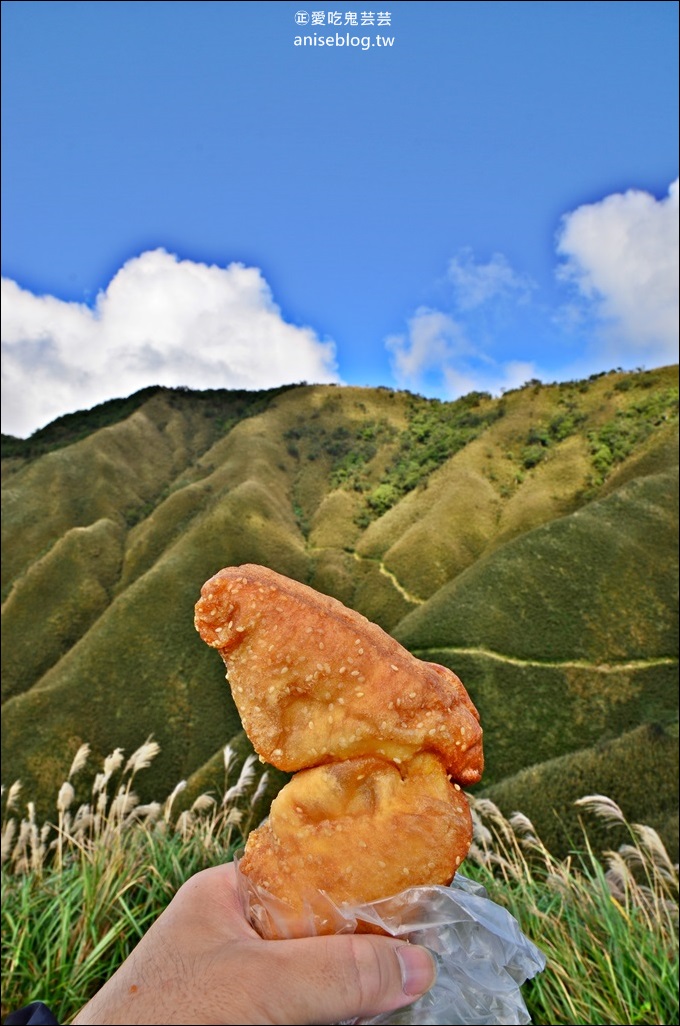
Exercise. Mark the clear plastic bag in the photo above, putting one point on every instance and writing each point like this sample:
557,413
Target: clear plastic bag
482,955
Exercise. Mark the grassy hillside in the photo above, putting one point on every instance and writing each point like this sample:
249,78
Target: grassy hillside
529,542
621,768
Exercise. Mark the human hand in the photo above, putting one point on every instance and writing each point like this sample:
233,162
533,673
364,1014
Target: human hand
202,963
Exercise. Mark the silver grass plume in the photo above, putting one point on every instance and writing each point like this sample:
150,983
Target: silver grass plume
245,779
143,757
203,802
13,795
602,806
228,755
260,790
65,796
170,800
79,760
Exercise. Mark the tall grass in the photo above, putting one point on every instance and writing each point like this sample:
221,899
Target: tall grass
608,925
79,891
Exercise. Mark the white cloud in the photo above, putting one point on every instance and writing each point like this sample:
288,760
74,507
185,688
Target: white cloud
449,354
437,356
476,283
622,255
433,340
160,321
495,378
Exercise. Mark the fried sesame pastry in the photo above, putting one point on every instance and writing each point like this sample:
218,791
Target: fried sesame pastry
354,832
316,682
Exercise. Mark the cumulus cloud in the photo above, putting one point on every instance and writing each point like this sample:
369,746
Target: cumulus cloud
433,339
435,355
619,257
476,283
160,321
621,254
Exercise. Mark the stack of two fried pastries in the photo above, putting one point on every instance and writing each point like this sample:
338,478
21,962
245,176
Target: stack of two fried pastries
379,742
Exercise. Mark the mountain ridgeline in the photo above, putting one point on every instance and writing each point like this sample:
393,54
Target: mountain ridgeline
528,542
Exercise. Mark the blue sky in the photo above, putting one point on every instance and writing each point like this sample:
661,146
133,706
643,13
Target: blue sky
190,198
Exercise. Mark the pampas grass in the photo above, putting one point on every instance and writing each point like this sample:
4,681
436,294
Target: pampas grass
608,925
81,890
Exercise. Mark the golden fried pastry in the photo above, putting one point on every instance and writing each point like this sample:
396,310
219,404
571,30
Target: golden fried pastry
316,682
381,741
354,831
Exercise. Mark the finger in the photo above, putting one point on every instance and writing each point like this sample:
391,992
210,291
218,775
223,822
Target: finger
327,979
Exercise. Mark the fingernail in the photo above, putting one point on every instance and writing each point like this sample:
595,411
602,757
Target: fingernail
418,969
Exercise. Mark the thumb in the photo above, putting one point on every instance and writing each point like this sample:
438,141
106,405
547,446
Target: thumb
350,976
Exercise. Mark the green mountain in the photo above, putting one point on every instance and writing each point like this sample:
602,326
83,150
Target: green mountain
528,542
